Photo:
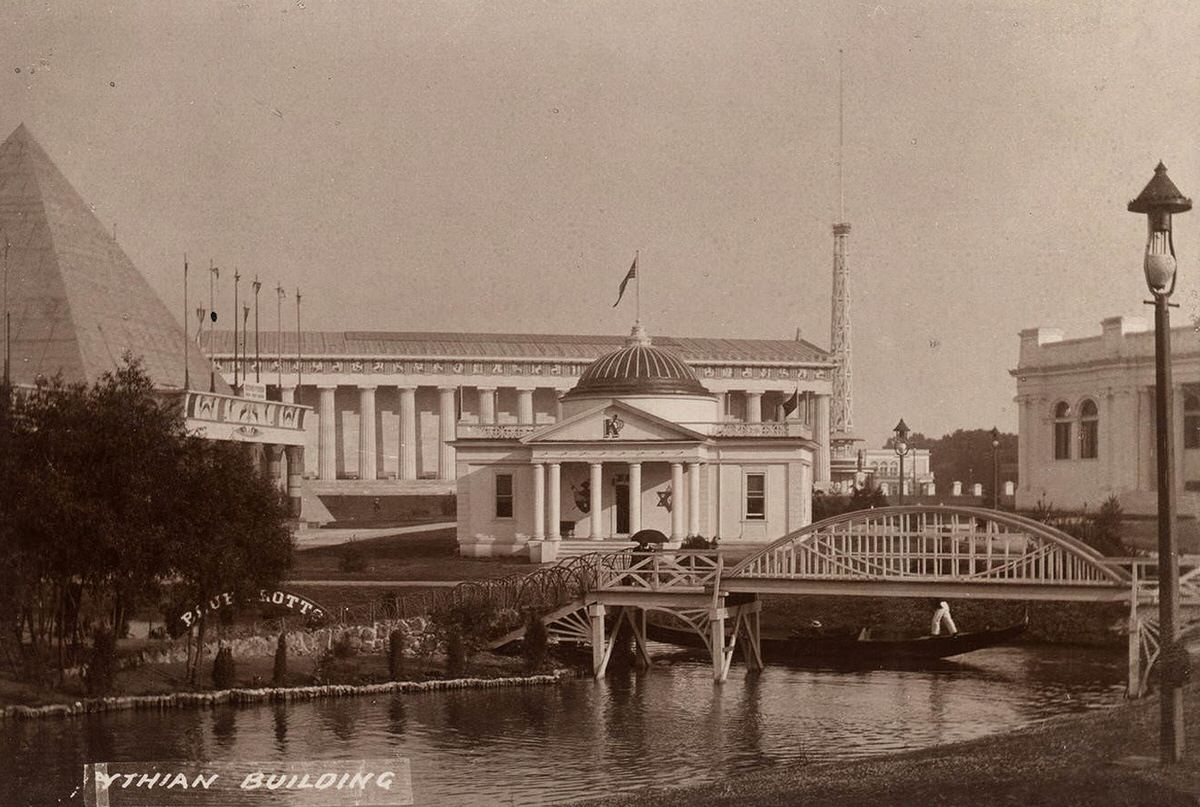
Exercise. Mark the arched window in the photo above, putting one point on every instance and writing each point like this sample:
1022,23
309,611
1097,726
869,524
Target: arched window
1062,431
1191,420
1089,430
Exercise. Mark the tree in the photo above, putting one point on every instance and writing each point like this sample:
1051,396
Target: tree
104,497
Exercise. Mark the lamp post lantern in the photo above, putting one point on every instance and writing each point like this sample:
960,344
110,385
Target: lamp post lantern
995,468
900,446
1158,200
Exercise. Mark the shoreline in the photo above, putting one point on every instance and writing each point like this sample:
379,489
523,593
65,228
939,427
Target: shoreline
255,695
1102,758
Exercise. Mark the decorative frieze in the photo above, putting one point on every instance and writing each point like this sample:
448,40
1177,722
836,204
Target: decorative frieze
532,369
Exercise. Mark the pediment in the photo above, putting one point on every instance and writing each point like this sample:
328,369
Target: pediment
615,422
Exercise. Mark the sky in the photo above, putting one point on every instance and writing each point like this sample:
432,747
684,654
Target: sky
494,166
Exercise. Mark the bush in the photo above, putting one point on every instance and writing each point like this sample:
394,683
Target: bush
696,542
536,644
456,654
224,671
345,646
279,674
396,655
352,558
102,667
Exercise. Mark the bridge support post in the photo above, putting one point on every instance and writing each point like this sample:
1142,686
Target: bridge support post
1133,683
600,646
754,644
716,643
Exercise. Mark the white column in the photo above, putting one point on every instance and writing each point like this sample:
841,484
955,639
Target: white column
366,434
524,405
487,405
447,431
327,438
287,394
693,498
557,406
295,461
821,436
635,497
408,432
1146,427
599,528
554,494
539,501
753,406
1177,433
677,501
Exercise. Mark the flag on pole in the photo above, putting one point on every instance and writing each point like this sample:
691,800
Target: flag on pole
792,403
630,275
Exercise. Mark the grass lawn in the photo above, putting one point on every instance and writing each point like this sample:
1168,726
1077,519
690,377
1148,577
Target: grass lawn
431,555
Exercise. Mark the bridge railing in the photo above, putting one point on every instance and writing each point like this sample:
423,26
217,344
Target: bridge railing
676,571
950,544
1144,574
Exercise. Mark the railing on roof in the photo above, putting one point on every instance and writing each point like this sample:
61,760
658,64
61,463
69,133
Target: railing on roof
774,428
496,431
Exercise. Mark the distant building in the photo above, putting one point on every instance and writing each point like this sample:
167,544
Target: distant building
641,444
882,467
1086,417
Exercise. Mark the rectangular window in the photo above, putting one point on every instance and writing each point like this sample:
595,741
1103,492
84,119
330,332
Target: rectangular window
756,497
1089,440
1062,441
504,496
1191,431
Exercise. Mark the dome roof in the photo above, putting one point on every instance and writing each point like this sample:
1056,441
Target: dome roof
638,369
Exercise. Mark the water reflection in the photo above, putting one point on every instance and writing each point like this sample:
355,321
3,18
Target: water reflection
641,729
280,715
224,726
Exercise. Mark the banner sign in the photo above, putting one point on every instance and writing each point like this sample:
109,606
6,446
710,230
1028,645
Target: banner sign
266,596
367,782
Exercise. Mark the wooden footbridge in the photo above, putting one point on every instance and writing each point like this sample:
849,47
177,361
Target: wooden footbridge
907,551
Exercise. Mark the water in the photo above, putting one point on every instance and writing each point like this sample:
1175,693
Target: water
586,738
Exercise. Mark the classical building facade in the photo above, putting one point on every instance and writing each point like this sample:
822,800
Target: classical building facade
1086,417
387,407
639,443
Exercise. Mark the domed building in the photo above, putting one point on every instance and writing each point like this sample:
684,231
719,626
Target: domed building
641,444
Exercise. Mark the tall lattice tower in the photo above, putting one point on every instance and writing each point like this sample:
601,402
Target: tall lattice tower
841,414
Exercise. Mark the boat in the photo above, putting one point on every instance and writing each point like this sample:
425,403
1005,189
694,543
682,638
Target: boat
859,648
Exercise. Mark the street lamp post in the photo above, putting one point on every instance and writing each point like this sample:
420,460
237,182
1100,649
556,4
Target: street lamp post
1158,200
900,446
995,468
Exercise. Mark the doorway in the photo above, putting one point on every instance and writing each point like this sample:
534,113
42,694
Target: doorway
621,492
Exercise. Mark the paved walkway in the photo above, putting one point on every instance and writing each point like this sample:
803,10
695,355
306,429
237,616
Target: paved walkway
310,539
378,583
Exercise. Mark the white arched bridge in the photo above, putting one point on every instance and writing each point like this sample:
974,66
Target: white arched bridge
906,551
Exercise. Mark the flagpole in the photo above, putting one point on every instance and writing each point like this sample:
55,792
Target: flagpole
638,278
187,379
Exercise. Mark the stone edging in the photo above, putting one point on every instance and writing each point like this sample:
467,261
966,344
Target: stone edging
266,695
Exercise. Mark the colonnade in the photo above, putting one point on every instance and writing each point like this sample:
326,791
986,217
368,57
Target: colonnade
814,408
547,500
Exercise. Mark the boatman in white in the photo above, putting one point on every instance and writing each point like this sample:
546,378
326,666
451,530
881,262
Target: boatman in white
942,617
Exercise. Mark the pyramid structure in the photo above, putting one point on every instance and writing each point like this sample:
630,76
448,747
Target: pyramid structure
78,304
